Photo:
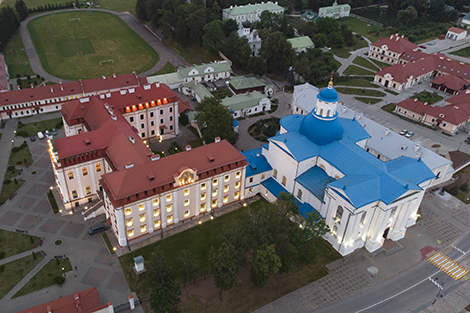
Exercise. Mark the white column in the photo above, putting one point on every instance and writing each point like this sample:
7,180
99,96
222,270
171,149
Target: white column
148,203
175,207
120,225
163,212
78,175
176,118
198,199
242,182
221,190
93,181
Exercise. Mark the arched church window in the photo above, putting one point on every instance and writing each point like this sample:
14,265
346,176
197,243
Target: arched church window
275,173
393,212
438,175
284,180
334,232
328,113
321,112
339,214
323,167
299,194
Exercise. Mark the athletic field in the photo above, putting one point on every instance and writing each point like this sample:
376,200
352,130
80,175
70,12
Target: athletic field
89,44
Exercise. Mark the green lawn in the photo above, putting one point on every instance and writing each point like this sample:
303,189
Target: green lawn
108,243
73,49
372,32
168,68
426,96
21,157
365,63
52,202
16,57
175,148
31,129
355,82
12,243
14,272
45,277
368,100
356,70
193,54
8,190
392,92
389,107
195,143
360,92
344,52
465,52
244,297
379,64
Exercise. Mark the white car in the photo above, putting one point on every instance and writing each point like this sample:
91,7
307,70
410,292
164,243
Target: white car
409,134
403,132
48,134
40,135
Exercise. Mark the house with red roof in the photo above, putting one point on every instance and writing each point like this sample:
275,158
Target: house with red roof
455,33
45,99
449,84
449,118
390,49
86,301
104,166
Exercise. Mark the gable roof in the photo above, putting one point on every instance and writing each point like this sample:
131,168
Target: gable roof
301,42
450,81
218,66
413,105
456,30
395,43
253,8
243,101
243,82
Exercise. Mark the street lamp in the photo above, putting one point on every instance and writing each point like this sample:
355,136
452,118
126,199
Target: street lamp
439,292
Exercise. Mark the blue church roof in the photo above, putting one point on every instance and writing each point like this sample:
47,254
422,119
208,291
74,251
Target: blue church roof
328,95
257,162
321,131
315,181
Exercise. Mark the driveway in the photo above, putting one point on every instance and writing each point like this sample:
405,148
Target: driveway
166,54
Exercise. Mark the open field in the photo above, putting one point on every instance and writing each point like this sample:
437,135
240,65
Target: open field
368,100
365,63
14,272
361,92
356,70
465,52
355,82
379,64
72,45
12,243
45,277
344,52
372,32
244,297
8,190
31,129
16,57
21,157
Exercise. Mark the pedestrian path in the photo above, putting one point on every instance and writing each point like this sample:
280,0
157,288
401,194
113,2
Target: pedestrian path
19,256
448,266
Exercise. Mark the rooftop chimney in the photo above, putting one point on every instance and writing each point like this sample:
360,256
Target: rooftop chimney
131,139
188,147
217,139
129,165
44,83
49,309
155,157
114,75
157,84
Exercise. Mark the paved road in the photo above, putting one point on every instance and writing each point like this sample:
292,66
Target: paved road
166,54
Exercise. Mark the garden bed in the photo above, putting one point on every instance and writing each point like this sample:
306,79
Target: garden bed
264,129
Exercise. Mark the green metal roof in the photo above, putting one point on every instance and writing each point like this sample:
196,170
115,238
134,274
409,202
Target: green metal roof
218,66
253,8
300,42
199,89
167,79
245,101
192,115
242,82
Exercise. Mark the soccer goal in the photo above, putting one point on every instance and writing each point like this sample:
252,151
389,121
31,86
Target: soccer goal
79,53
106,61
71,37
74,19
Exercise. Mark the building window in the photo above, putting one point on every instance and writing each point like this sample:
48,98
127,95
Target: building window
186,202
141,207
238,174
169,219
171,118
363,218
263,176
203,196
284,180
215,182
129,222
84,171
88,190
130,233
236,195
299,194
157,224
339,214
156,213
142,135
74,194
152,123
171,127
251,179
98,167
170,109
227,178
141,116
250,190
161,112
214,192
168,198
142,125
275,173
131,119
334,231
155,202
393,212
203,207
142,218
70,174
214,203
226,188
151,114
128,211
186,213
169,208
237,185
186,192
203,186
143,228
225,199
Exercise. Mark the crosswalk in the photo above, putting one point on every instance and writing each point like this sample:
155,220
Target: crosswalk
449,266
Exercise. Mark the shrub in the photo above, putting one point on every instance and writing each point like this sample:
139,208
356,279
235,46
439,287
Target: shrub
59,280
38,76
34,256
184,119
32,240
22,133
59,125
16,181
464,187
19,162
454,190
6,181
11,168
28,77
2,268
2,254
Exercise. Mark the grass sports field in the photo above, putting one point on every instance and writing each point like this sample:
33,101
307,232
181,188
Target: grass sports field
72,45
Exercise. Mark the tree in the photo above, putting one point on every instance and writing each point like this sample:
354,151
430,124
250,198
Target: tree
229,26
181,31
140,9
257,66
276,50
165,297
224,266
215,120
305,239
327,25
320,40
265,263
298,5
187,267
158,269
405,17
213,35
335,40
302,67
235,235
288,257
196,22
21,9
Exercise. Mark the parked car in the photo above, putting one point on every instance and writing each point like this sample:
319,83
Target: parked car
403,132
96,229
48,134
40,135
32,138
422,47
409,134
54,132
431,43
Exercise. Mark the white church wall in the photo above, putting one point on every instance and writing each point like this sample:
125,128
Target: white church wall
285,166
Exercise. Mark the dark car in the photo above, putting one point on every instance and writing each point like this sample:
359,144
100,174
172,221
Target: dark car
32,138
96,229
422,47
54,132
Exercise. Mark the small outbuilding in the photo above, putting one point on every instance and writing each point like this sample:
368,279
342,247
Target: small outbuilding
455,33
139,264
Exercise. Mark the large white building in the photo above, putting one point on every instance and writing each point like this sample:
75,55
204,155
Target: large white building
254,39
250,12
335,11
355,173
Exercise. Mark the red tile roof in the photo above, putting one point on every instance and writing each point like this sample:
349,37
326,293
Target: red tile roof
395,43
450,81
110,83
459,99
122,184
413,55
183,106
413,106
88,302
456,30
450,113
